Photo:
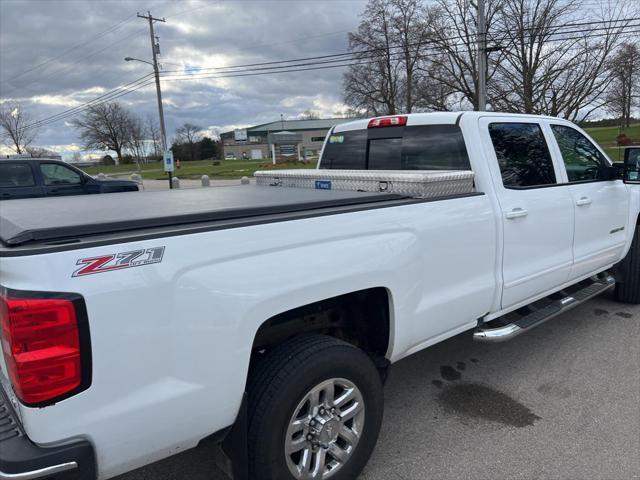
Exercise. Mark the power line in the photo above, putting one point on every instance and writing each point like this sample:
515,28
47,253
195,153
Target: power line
596,22
373,50
107,96
187,11
110,96
73,48
197,75
294,68
299,39
82,109
61,68
327,64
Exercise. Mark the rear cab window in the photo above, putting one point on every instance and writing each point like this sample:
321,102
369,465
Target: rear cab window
14,174
417,147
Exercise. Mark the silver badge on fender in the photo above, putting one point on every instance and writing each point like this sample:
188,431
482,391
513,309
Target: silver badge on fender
118,261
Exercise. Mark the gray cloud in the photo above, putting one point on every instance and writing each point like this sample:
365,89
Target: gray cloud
202,33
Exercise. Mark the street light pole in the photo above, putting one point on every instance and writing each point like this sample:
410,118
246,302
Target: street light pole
155,49
482,57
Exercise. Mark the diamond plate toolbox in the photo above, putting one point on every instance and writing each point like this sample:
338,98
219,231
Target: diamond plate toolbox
419,184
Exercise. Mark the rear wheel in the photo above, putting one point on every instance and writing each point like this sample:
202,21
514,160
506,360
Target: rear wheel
628,287
315,409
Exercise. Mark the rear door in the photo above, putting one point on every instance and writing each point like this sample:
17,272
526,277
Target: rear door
17,180
537,211
601,206
60,179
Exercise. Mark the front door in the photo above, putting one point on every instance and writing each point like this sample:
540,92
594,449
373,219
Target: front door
537,212
601,206
61,180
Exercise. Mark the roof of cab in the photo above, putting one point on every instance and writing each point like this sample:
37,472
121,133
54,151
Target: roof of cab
434,118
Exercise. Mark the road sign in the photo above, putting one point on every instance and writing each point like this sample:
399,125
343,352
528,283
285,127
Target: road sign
168,161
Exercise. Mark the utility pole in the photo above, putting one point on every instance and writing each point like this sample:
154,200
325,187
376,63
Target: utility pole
155,50
482,56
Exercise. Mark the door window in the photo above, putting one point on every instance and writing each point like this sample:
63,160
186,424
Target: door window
523,155
581,157
55,174
16,175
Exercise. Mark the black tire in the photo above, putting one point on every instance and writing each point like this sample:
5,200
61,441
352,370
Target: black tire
628,287
279,382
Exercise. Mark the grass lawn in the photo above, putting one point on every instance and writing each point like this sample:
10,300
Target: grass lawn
226,169
230,169
606,137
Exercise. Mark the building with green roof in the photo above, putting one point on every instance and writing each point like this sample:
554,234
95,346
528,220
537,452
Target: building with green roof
280,142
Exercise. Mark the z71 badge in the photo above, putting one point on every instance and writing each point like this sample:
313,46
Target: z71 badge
118,261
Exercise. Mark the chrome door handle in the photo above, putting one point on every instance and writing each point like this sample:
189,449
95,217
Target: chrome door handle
584,201
516,213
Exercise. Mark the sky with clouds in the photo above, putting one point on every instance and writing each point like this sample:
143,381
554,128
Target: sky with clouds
58,54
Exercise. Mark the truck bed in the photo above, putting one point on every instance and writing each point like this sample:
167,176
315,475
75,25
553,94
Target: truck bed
65,221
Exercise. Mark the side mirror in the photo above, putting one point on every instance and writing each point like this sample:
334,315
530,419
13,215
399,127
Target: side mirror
613,172
632,165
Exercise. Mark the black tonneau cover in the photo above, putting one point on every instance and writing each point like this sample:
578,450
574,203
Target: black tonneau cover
55,219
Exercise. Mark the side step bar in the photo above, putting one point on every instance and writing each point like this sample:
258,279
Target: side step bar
531,320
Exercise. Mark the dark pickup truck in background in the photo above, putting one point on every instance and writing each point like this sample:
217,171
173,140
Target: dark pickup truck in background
42,177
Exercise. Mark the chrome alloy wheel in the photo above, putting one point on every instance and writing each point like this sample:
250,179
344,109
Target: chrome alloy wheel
324,429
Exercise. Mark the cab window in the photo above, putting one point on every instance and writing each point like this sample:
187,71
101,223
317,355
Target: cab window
418,147
582,159
54,174
523,155
16,175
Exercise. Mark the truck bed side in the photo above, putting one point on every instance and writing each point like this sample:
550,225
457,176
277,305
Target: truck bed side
171,339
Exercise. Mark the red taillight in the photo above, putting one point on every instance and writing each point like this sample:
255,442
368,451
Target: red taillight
41,345
395,121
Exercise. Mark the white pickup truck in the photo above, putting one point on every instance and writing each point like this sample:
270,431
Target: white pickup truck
259,321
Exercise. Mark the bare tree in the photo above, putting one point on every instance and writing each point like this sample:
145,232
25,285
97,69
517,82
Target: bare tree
434,94
40,152
309,115
546,72
137,139
372,83
410,24
624,90
189,135
348,112
153,134
105,126
452,66
17,128
387,48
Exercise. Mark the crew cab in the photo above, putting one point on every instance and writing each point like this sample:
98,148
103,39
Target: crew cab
263,318
43,177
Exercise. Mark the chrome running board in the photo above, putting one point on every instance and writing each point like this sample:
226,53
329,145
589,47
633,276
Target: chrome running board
554,306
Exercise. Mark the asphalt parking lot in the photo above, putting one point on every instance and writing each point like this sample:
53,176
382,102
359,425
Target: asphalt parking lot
562,402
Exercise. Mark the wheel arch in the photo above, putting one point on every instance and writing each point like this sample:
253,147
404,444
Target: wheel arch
362,318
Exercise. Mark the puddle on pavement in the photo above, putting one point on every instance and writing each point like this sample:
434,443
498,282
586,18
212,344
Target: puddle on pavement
484,403
624,315
449,373
598,312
